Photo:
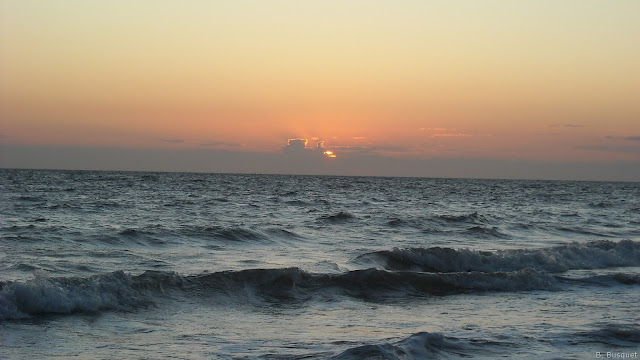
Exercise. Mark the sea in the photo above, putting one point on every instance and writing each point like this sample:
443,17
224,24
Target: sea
135,265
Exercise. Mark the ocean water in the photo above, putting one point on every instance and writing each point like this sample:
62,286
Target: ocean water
124,265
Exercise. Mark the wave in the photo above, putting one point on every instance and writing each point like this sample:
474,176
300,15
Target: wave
472,218
290,283
601,204
130,232
445,220
583,231
485,232
235,233
31,198
396,222
297,203
283,233
422,345
120,291
591,255
42,295
159,235
606,280
342,216
612,334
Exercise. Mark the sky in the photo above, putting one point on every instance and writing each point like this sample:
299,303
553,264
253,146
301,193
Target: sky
516,89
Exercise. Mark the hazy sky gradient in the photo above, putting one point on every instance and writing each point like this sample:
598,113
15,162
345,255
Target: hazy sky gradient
514,81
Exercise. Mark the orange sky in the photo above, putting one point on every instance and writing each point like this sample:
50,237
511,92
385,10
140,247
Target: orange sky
541,80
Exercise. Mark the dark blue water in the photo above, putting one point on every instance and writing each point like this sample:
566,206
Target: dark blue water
210,266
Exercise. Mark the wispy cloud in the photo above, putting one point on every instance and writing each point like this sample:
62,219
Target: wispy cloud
611,148
220,144
450,135
629,138
567,125
438,132
4,138
373,149
172,140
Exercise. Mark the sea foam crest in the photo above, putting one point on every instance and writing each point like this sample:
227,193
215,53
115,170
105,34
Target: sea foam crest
591,255
67,295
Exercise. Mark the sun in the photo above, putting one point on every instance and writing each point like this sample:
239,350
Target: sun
329,153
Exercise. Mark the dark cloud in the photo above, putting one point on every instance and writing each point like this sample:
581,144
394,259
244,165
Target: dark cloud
298,158
633,138
296,146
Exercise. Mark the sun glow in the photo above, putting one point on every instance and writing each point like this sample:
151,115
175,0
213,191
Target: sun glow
330,154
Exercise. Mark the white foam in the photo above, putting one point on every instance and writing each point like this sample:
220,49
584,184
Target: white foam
67,295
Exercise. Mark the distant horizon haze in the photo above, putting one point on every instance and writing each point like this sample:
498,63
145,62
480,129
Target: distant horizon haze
308,163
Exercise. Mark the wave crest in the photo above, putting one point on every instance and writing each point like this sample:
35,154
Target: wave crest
592,255
120,291
422,345
42,295
342,216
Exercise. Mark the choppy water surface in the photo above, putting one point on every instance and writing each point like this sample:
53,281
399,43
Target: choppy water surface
205,266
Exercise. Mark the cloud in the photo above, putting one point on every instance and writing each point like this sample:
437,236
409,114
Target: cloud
444,132
567,125
172,140
297,152
611,148
629,138
296,146
220,144
372,149
450,135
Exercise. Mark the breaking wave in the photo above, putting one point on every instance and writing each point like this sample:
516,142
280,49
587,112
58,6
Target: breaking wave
121,291
422,345
592,255
42,295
